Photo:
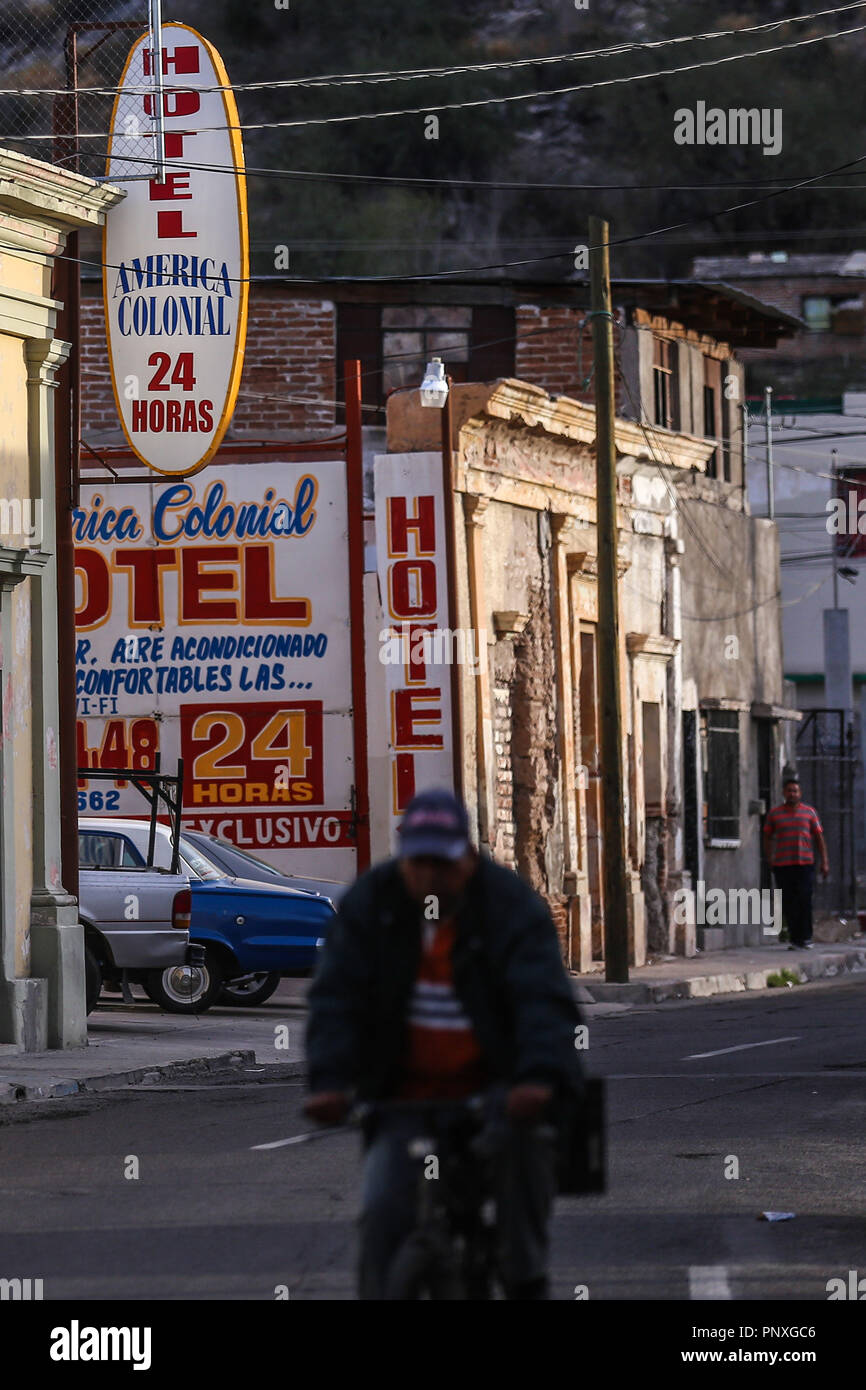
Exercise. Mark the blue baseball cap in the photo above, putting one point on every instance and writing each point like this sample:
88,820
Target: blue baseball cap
435,826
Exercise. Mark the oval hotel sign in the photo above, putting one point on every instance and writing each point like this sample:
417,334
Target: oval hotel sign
176,254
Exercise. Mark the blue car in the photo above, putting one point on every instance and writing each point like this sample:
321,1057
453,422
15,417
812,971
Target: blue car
253,932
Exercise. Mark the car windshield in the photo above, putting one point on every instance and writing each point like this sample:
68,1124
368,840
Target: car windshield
197,863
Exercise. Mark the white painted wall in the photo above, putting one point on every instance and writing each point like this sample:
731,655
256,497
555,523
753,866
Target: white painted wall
802,452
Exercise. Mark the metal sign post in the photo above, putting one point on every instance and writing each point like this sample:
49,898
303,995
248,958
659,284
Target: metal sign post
158,115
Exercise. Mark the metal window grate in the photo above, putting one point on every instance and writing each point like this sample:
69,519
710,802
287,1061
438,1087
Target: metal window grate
827,763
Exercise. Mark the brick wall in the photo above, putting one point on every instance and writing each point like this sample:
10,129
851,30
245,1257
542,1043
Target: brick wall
289,379
552,352
546,351
789,295
503,847
98,411
288,384
559,912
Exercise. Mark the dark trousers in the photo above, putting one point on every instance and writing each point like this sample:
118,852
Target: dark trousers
795,882
524,1186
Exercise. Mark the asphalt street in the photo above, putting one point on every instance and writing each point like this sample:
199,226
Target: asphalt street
775,1081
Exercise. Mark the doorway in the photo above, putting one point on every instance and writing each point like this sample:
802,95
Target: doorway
589,757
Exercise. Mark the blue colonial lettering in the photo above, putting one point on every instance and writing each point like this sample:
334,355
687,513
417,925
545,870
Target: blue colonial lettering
173,497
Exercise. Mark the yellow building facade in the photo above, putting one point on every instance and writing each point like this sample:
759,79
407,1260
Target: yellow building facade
41,942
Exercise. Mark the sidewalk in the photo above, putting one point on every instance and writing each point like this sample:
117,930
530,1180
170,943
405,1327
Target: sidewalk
723,972
130,1046
141,1046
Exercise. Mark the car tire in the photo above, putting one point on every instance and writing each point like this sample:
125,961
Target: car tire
92,979
186,989
249,990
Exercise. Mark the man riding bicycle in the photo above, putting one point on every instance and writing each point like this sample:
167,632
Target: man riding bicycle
442,977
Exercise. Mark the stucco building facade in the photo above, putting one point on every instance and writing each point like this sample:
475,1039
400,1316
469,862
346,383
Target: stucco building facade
41,948
704,719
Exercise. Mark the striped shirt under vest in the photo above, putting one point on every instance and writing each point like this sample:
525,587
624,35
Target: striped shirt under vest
792,828
443,1059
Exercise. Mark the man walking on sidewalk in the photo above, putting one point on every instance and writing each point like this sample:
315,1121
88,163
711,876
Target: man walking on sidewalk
789,833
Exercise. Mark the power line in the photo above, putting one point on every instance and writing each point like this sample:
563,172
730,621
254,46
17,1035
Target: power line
494,101
511,186
486,185
458,69
506,265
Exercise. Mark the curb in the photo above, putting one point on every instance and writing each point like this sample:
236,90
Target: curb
704,986
11,1090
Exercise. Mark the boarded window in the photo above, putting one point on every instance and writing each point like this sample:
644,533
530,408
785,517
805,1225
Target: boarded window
652,756
664,360
396,341
713,413
720,729
690,793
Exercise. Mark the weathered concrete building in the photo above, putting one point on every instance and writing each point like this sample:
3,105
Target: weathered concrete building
41,947
705,728
703,717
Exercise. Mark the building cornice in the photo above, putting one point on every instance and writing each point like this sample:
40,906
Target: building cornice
16,565
40,192
520,403
651,644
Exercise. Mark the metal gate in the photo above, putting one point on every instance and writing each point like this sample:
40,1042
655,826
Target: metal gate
827,762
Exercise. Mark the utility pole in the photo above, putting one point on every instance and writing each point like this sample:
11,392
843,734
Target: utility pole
67,434
615,889
834,552
768,432
448,495
744,487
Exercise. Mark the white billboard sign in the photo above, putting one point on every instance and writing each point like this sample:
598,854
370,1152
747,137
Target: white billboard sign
212,622
176,255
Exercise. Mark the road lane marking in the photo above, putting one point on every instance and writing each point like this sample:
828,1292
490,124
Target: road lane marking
741,1047
281,1143
709,1282
725,1075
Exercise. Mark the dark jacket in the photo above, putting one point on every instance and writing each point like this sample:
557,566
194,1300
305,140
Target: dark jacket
508,975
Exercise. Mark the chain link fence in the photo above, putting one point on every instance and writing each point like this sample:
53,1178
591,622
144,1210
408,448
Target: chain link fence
827,763
46,51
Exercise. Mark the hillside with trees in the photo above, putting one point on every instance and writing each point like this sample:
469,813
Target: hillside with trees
620,135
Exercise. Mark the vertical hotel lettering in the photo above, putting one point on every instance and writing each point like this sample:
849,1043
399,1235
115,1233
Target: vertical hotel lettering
413,600
176,105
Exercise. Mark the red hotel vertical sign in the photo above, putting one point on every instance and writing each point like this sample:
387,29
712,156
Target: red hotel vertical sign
414,645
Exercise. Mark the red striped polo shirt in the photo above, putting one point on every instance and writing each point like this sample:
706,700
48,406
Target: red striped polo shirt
792,828
443,1059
